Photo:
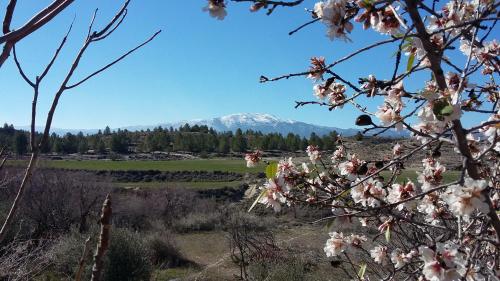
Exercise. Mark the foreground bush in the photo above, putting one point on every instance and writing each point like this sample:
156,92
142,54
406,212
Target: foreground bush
127,258
287,270
65,255
163,252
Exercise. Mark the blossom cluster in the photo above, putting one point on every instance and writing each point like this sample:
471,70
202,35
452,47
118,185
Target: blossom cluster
437,224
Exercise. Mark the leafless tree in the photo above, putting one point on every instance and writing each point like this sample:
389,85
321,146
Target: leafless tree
93,36
10,36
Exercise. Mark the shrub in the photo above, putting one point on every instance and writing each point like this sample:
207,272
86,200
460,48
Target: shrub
127,258
163,252
65,254
198,222
285,270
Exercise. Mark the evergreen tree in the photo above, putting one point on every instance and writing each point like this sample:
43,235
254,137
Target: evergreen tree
20,144
100,146
224,146
119,142
238,143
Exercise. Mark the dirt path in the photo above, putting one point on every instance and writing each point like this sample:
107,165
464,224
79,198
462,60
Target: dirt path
227,255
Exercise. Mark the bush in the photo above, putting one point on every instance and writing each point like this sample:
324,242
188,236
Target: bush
198,222
127,258
65,254
163,252
287,270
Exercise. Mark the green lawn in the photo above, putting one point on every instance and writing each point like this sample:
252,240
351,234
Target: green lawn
228,165
193,185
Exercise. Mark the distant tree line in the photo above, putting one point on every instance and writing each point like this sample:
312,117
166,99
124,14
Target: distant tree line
196,139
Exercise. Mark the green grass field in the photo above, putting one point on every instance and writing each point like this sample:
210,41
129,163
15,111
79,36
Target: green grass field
228,165
189,185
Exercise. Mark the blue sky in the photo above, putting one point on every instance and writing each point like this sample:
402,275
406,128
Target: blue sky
197,68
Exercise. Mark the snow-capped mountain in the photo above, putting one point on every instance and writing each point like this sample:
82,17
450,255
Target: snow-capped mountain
265,123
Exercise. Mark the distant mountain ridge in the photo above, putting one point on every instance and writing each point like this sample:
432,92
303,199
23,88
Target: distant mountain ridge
265,123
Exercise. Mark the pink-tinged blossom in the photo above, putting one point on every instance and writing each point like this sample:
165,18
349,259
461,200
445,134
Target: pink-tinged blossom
429,205
400,259
338,154
370,85
287,167
333,14
275,190
397,150
415,47
432,175
337,95
399,192
350,167
444,264
464,200
385,22
390,112
487,55
492,132
336,245
313,153
368,193
216,9
334,93
253,158
473,144
317,68
379,254
454,13
355,240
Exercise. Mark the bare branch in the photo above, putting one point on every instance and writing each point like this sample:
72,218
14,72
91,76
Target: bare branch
113,62
347,57
61,45
113,21
303,25
40,19
20,69
8,16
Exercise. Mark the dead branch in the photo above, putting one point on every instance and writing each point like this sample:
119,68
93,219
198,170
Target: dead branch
104,239
81,264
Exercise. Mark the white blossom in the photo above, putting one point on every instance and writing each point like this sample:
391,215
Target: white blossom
464,200
379,254
368,193
333,14
313,153
350,167
399,192
444,264
274,190
253,158
336,245
400,259
216,9
432,175
397,149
